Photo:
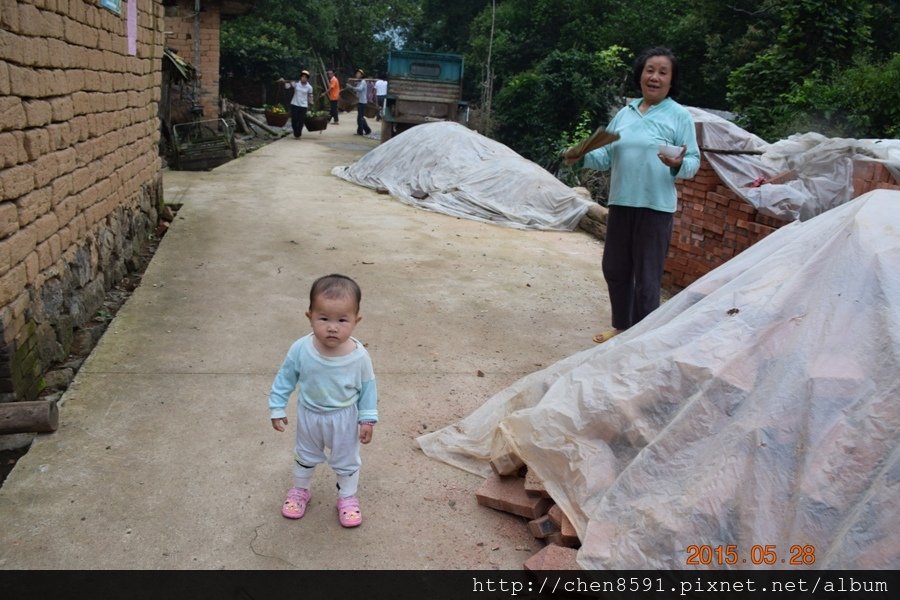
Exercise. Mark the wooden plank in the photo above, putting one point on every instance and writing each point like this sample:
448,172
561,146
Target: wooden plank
437,111
598,139
425,99
416,90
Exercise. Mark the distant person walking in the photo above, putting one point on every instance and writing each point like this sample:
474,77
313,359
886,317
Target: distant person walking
362,94
303,95
334,92
381,87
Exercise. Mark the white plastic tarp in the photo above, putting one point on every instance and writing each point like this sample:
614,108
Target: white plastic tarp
823,166
448,168
758,406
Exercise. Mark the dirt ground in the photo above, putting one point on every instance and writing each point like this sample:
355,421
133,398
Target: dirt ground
165,457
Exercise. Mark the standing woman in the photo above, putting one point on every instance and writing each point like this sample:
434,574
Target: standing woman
303,93
362,94
642,196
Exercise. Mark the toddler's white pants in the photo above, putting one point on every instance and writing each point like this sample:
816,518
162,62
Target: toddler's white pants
337,431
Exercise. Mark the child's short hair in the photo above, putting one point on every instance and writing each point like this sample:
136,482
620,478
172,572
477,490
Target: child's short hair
334,286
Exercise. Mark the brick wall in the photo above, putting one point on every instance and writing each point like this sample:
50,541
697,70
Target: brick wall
79,172
181,37
713,224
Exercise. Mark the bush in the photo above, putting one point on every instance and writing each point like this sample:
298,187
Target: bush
862,101
563,99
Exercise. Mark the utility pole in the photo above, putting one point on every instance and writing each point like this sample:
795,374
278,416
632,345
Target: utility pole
487,89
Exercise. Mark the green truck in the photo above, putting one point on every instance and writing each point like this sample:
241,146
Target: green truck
422,87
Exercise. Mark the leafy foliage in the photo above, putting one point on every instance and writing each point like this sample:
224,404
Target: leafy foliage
815,39
366,30
276,37
783,65
862,101
541,111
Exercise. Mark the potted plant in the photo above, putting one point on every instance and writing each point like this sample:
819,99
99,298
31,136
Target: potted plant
317,120
276,115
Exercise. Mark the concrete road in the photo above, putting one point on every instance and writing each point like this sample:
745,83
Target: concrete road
165,456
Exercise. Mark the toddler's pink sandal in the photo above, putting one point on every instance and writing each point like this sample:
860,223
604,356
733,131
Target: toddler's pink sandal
349,514
295,503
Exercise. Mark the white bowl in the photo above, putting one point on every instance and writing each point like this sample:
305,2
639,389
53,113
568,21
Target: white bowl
670,151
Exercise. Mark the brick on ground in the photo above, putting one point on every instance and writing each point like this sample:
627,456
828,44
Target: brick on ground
506,464
541,528
534,486
555,514
508,494
553,558
567,534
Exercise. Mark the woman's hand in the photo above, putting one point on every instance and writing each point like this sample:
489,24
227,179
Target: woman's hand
674,163
278,424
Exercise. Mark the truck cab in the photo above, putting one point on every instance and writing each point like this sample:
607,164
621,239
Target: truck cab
422,87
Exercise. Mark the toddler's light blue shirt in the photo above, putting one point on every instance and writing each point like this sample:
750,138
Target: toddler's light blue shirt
326,383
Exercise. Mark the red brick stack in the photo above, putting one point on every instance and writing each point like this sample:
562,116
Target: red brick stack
871,175
713,224
514,490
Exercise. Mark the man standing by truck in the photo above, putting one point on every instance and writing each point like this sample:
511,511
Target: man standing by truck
362,94
381,86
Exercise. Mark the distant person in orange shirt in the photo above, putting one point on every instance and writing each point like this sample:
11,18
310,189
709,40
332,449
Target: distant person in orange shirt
334,92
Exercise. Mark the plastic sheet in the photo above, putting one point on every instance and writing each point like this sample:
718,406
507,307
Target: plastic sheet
448,168
823,166
757,406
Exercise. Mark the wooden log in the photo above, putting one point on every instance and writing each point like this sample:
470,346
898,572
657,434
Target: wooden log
241,123
38,416
234,109
594,223
262,125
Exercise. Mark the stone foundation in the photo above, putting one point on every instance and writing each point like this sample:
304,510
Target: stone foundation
56,318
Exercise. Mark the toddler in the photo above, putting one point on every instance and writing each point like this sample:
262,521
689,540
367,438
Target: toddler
337,398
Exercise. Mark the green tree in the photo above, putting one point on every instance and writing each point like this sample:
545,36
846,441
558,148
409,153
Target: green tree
815,39
279,36
527,31
862,101
444,26
276,37
367,30
711,38
540,111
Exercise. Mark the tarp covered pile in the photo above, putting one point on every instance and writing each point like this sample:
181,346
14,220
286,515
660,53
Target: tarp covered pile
758,406
822,167
448,168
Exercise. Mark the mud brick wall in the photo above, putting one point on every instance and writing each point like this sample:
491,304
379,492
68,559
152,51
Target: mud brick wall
712,224
79,172
181,36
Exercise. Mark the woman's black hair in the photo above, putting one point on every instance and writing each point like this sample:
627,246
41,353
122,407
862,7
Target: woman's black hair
646,55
